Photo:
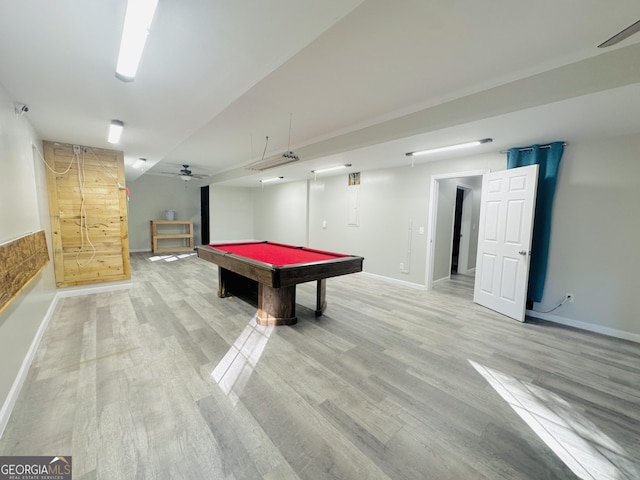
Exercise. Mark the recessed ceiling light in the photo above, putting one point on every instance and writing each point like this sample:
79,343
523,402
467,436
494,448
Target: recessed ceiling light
139,163
115,131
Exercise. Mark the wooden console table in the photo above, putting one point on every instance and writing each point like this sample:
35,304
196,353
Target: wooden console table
186,228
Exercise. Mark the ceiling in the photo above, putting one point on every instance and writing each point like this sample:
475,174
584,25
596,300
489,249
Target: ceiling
362,82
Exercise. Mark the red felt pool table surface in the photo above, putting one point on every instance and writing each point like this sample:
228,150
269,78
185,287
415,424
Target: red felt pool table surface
277,254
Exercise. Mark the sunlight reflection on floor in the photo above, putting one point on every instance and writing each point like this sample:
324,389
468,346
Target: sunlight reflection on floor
587,451
235,368
170,258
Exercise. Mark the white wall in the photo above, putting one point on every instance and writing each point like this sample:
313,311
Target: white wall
230,213
151,196
595,235
390,202
23,210
280,213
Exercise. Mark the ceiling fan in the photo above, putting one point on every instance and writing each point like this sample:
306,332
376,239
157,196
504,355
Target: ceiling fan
184,173
622,35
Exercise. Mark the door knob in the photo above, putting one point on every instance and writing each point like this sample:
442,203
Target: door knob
522,252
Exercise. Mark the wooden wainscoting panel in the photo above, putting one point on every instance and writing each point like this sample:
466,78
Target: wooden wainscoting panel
20,262
88,208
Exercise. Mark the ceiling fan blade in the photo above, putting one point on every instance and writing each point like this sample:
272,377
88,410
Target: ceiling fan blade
192,175
618,37
185,173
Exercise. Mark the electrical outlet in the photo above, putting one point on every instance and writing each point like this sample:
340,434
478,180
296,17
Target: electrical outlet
569,297
402,266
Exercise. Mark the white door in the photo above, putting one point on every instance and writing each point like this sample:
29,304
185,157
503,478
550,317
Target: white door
504,240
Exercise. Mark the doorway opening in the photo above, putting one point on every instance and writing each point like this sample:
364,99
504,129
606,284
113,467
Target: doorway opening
455,198
204,214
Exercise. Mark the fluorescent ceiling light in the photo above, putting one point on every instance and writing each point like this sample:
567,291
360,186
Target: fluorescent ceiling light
139,163
450,147
137,21
115,131
269,180
284,159
331,169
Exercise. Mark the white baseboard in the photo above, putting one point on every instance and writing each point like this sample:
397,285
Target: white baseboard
591,327
90,289
440,280
394,280
139,250
14,392
16,387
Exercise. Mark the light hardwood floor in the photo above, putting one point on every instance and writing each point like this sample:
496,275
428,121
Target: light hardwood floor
168,381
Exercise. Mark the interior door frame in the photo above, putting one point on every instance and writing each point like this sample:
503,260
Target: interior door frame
432,220
465,228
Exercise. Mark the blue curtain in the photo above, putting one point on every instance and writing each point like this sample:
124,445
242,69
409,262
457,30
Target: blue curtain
548,159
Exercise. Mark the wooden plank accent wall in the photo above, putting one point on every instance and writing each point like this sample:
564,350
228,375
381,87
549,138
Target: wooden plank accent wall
88,212
20,262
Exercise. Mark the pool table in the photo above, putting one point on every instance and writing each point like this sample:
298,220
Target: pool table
277,268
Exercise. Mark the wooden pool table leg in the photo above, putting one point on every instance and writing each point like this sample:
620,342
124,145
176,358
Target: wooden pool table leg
321,295
276,306
223,281
222,287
